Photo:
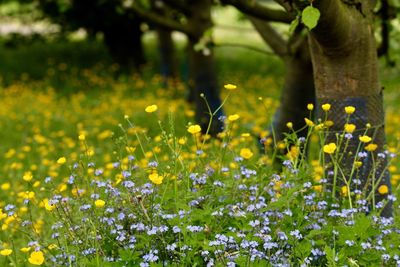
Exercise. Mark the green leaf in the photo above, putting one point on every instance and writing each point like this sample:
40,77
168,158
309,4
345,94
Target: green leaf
293,25
310,17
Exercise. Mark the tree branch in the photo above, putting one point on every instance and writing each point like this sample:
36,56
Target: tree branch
159,20
178,5
274,40
254,9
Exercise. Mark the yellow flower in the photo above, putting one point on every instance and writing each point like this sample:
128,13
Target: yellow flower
82,137
36,258
383,189
349,128
328,123
25,249
126,117
344,190
349,109
151,108
194,129
309,123
330,148
326,107
47,205
289,125
52,246
5,186
371,147
365,138
230,86
61,160
99,203
233,117
246,153
358,164
27,176
310,107
5,252
155,178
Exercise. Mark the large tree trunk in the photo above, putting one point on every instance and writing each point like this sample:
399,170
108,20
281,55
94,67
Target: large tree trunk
202,72
345,66
123,39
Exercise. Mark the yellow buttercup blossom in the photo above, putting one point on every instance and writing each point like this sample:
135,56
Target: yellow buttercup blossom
329,123
151,108
310,107
194,129
36,258
5,186
25,249
289,125
309,123
344,190
371,147
99,203
349,109
349,128
326,107
230,86
6,252
48,206
330,148
82,137
233,117
365,138
358,164
383,189
61,160
246,153
27,176
155,178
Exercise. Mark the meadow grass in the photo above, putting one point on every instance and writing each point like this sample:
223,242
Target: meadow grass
93,174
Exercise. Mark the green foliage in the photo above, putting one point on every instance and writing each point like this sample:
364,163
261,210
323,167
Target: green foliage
310,16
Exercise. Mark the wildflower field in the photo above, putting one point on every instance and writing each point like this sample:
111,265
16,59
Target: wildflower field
105,170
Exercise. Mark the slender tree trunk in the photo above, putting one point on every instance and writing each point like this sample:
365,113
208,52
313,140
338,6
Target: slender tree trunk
202,71
167,55
345,63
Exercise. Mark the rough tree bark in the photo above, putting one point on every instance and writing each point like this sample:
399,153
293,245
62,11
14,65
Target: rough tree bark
344,56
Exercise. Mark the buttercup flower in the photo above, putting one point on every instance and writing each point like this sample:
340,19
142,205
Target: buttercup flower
151,108
230,86
233,117
5,252
61,160
27,176
383,189
289,125
309,122
194,129
310,107
99,203
36,258
349,109
330,148
155,178
365,138
326,107
349,128
371,147
246,153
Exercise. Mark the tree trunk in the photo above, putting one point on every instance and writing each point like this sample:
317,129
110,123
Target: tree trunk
123,39
345,64
202,72
167,55
298,91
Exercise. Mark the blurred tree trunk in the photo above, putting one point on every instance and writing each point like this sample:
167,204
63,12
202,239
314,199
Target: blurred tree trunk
168,62
123,39
344,56
202,71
